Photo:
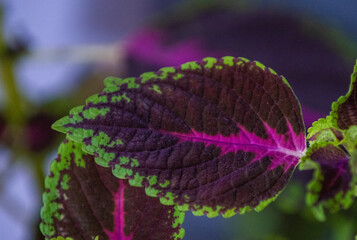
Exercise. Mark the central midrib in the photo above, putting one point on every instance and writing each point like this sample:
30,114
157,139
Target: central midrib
276,149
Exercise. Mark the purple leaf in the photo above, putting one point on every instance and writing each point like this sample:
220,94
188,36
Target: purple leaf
150,42
83,200
334,181
334,168
216,137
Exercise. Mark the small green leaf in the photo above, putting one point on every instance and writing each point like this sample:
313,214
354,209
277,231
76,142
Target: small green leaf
323,130
62,238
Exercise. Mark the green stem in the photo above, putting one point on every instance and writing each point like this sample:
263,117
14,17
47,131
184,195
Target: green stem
14,104
14,113
37,163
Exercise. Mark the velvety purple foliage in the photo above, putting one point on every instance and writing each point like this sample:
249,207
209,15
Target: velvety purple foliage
220,136
84,200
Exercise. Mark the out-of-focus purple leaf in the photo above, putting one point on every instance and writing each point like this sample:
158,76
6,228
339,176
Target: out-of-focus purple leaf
149,42
38,132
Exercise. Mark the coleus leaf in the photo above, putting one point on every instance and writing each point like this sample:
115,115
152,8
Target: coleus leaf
85,201
333,141
334,180
216,137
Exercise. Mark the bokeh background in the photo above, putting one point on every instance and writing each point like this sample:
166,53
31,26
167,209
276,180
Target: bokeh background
60,51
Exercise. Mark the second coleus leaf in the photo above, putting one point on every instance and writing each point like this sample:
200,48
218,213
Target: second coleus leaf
216,137
333,156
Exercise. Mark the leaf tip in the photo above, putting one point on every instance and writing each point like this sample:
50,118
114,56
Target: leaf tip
59,125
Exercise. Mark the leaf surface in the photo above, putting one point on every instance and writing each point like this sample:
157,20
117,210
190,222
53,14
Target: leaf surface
85,201
216,137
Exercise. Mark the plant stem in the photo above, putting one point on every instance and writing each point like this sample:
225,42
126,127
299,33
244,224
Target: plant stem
14,104
13,109
37,163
